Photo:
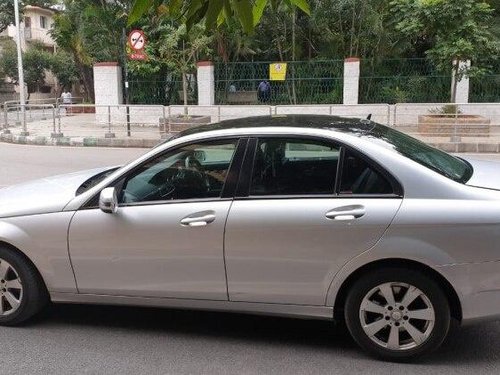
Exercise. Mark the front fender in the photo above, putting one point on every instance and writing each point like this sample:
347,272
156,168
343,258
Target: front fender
43,239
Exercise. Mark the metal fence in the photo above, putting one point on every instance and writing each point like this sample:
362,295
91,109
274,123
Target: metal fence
161,90
473,125
307,82
414,80
402,80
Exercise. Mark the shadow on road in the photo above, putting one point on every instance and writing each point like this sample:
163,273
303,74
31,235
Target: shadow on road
466,345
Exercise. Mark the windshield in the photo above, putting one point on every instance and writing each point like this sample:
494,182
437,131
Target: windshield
439,161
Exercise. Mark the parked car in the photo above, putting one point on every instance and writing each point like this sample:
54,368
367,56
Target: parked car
303,216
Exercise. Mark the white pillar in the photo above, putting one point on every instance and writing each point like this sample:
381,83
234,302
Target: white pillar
206,83
108,83
462,94
351,80
108,92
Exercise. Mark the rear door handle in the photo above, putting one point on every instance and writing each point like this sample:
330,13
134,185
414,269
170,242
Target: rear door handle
199,219
346,213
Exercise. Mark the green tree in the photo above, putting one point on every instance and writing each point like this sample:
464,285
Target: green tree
213,12
63,67
90,30
459,30
181,49
6,14
35,64
8,60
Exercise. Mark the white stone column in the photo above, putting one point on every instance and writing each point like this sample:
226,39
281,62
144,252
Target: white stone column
351,80
108,83
108,91
206,83
462,94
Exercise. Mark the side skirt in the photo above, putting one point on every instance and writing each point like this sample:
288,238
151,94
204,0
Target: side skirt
293,311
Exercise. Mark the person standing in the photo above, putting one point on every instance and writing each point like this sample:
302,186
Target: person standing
66,100
66,97
264,92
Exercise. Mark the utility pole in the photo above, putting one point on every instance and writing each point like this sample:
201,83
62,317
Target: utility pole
22,99
125,73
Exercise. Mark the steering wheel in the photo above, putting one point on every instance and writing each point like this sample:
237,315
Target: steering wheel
194,166
192,163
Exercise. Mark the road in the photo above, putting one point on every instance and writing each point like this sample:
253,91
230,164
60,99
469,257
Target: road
71,339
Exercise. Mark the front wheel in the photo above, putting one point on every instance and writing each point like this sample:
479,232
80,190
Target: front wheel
22,293
397,314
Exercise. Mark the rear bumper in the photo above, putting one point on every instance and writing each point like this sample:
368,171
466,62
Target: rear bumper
478,287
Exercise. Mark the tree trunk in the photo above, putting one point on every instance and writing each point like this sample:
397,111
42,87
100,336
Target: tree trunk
185,93
87,80
454,81
294,93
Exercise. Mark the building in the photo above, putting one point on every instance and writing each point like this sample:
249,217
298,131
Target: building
35,28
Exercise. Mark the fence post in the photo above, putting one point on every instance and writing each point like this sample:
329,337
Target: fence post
55,133
109,134
206,83
6,118
351,80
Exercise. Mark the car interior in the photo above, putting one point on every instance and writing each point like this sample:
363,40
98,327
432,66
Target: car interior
293,168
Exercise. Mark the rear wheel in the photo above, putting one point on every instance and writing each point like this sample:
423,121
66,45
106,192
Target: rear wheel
22,293
397,314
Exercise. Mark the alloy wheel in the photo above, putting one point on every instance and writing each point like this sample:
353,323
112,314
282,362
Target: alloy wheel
11,289
397,316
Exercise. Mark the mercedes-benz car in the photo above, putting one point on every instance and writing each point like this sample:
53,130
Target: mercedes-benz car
301,215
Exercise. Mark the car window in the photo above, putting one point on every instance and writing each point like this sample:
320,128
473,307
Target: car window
294,167
189,172
358,177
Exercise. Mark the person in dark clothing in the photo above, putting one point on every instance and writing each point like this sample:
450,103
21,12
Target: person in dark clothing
264,92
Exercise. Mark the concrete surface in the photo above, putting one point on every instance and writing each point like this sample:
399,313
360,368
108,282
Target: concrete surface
73,339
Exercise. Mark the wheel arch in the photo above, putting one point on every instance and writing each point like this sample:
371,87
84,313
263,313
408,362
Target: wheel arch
16,250
449,291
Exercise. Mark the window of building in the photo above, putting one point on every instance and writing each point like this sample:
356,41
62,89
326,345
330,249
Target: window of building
43,22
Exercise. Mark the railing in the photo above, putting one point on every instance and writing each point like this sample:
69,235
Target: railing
436,123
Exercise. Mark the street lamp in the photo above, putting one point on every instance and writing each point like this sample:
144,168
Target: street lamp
22,99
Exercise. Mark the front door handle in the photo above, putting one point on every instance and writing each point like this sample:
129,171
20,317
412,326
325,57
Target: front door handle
199,219
346,212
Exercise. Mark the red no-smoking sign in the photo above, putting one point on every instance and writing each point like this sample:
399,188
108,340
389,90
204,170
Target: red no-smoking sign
137,42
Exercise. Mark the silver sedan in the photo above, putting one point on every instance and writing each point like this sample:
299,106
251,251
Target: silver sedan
302,216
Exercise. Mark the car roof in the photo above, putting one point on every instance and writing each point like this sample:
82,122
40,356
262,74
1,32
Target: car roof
352,126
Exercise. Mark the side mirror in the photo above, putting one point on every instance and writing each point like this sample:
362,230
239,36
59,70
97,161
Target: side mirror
108,202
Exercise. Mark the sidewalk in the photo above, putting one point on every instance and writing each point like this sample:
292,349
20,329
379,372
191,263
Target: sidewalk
81,130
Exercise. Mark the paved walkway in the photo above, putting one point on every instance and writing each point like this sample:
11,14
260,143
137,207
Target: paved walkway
81,130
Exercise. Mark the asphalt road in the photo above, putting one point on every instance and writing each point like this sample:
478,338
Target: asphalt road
71,339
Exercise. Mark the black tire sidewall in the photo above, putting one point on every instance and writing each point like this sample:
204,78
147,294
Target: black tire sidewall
426,284
33,298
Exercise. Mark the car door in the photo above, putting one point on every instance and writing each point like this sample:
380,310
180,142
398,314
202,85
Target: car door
307,207
166,237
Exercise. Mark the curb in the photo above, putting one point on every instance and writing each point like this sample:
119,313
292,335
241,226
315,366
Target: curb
79,142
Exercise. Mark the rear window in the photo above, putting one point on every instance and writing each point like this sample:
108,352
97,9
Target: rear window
439,161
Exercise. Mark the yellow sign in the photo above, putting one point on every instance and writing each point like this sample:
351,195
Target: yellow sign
277,71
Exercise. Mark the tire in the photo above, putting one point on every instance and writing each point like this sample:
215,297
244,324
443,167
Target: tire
413,322
22,292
